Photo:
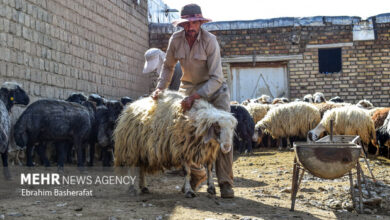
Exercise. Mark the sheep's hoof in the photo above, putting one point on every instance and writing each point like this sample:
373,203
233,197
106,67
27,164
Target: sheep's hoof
132,191
107,169
60,169
7,174
82,170
145,190
211,190
190,194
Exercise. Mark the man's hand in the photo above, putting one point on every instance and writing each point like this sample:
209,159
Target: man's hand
188,101
155,94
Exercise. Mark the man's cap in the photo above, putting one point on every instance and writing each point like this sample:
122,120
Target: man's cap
152,59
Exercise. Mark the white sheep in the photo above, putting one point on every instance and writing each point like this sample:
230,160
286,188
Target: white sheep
318,97
349,120
288,120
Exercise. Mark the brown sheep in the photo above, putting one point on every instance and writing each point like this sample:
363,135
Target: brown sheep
156,135
379,116
325,106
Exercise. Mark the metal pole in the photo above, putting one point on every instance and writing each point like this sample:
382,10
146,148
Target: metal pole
294,187
331,130
358,169
351,189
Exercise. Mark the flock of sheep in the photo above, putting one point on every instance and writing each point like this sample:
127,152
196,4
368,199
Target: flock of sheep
155,135
68,126
311,117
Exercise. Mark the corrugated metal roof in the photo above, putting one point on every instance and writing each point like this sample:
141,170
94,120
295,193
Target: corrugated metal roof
274,22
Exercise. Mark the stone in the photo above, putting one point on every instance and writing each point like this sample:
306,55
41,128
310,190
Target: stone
15,214
286,190
373,201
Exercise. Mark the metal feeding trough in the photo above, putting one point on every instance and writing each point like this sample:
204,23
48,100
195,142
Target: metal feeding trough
330,157
326,159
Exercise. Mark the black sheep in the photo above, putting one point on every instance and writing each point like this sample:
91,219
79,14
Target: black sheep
96,99
10,94
106,117
77,98
383,138
244,129
125,100
49,120
336,99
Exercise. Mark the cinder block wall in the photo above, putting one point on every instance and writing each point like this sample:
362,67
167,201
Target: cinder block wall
56,47
365,64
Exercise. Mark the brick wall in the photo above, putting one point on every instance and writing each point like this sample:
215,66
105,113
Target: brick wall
365,64
55,47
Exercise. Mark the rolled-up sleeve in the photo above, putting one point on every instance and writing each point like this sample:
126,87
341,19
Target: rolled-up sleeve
168,66
215,70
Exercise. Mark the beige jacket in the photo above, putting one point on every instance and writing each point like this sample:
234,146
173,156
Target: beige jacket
201,65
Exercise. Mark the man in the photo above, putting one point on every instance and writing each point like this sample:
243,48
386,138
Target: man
199,55
154,59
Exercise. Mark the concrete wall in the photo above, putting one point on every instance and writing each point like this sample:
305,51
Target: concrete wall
365,62
55,47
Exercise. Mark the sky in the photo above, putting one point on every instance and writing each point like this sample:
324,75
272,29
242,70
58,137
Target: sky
227,10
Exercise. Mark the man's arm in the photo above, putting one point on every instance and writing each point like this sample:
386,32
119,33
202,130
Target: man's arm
215,70
168,67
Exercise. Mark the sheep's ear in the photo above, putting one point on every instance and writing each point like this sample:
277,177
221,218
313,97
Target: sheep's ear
212,133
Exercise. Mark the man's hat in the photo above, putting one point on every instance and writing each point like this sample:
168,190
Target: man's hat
190,12
152,59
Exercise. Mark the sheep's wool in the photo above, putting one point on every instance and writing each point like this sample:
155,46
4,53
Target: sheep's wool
350,120
289,120
155,134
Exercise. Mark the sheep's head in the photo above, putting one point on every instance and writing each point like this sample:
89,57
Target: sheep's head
114,110
125,100
221,134
319,97
14,94
365,104
308,98
77,97
316,133
97,99
214,125
259,132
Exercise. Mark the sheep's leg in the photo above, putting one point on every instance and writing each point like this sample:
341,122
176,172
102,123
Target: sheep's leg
29,152
280,144
132,174
4,158
80,155
189,193
41,148
91,153
106,156
248,144
142,181
60,156
210,181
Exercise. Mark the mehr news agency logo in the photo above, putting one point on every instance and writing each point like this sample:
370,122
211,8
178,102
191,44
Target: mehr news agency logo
55,179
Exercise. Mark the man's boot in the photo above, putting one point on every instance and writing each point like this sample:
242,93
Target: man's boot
226,191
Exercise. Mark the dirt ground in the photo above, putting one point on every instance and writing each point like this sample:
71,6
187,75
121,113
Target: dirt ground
262,183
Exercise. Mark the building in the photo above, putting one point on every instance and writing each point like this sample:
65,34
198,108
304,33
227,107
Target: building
291,57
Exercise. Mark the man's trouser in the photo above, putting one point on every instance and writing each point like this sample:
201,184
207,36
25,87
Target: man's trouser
224,163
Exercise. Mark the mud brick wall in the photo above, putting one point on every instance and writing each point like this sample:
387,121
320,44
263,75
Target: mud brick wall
56,47
365,64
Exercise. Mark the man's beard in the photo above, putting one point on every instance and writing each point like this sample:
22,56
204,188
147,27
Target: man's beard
191,34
